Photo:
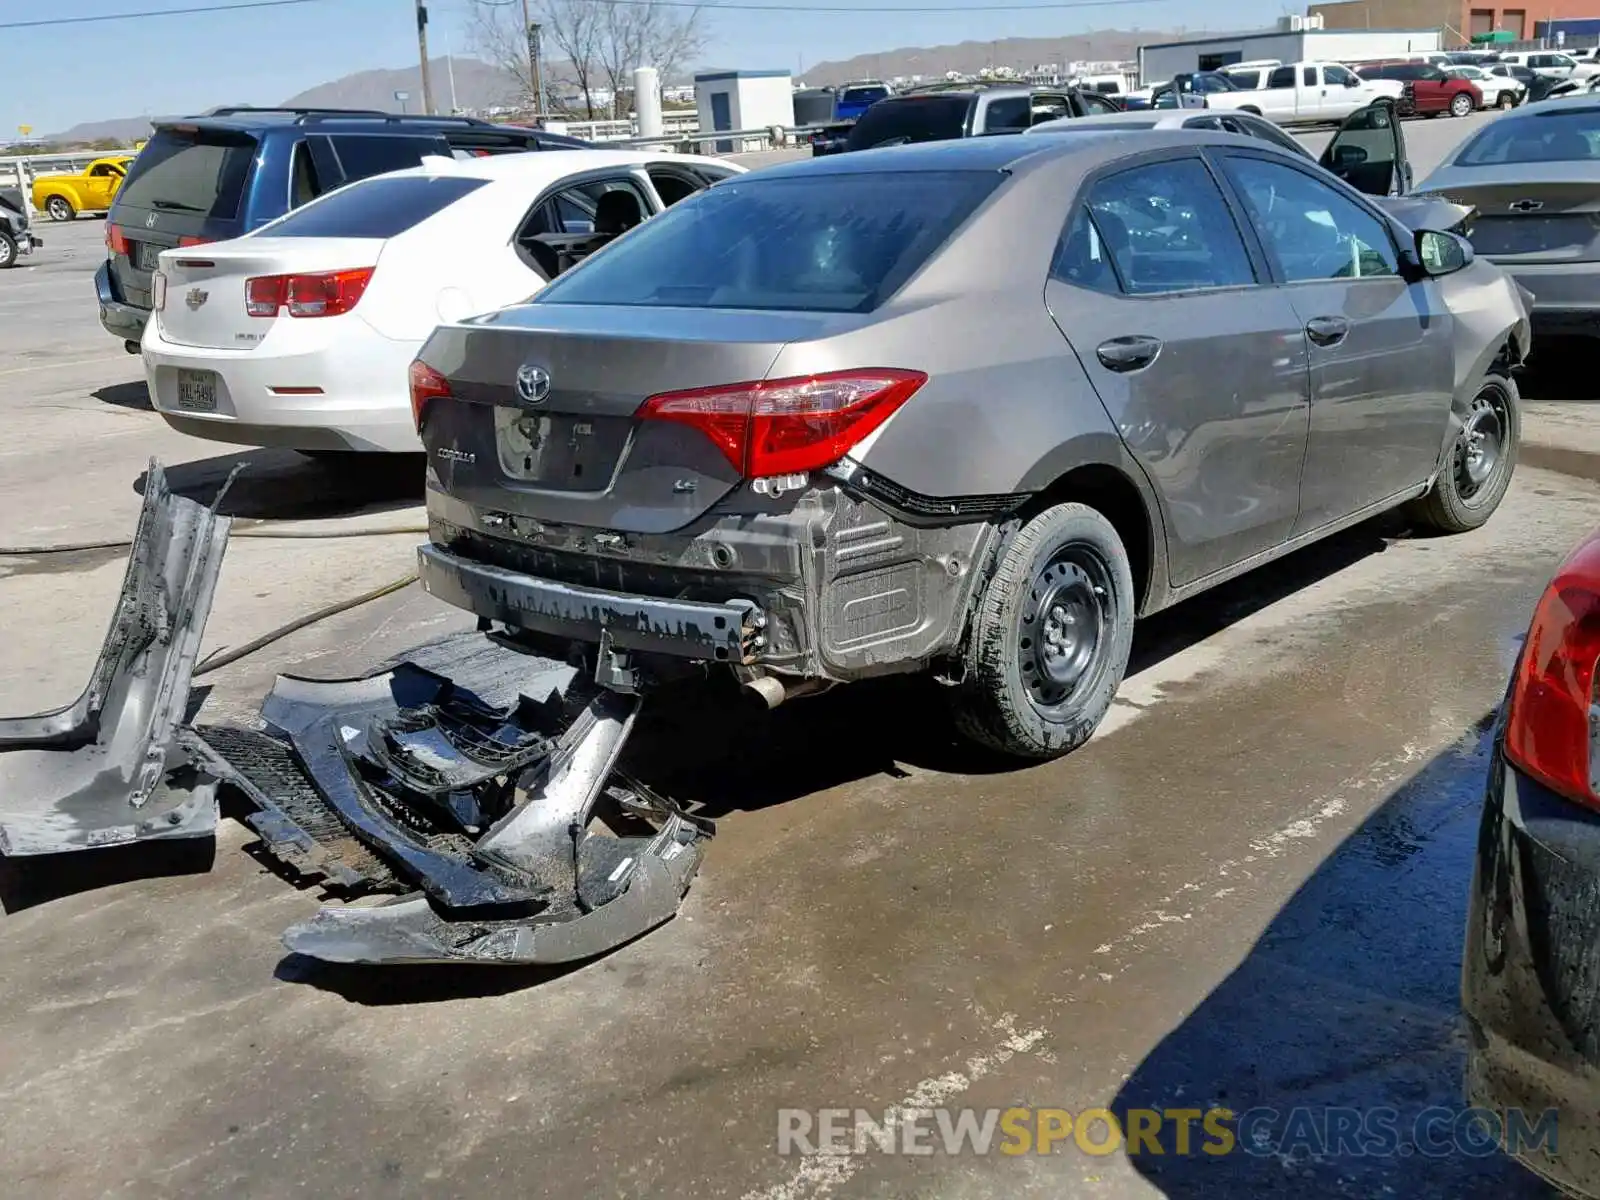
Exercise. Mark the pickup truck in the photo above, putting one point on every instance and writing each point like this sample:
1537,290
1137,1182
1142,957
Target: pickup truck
91,190
849,103
1304,93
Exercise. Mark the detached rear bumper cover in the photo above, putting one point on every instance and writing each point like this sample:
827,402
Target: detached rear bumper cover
107,770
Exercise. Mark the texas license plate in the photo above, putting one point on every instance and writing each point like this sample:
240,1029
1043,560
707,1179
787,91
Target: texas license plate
197,391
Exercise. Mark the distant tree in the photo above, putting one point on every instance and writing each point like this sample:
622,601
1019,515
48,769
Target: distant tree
645,35
105,144
602,41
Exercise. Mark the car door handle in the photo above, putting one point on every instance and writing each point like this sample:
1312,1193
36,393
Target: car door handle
1327,331
1128,353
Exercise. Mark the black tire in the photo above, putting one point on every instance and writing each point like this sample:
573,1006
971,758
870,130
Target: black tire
60,208
1507,100
1050,637
1461,105
1468,490
8,250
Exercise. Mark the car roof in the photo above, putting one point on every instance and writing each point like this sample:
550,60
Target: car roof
1009,153
1560,104
553,164
260,121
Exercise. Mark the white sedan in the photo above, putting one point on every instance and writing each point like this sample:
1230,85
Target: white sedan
1499,91
301,333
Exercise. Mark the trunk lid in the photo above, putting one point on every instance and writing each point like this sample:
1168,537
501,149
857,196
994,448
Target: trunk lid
204,303
1532,222
541,423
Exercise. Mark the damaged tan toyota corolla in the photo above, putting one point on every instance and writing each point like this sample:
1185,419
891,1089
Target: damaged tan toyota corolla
967,408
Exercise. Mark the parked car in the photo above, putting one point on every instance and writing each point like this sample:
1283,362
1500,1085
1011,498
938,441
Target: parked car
1303,93
300,334
64,196
1533,176
849,103
16,239
1499,91
1429,90
1538,86
969,407
1368,152
943,112
1188,91
1528,972
1549,63
215,177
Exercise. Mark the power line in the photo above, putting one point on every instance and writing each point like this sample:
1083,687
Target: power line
705,5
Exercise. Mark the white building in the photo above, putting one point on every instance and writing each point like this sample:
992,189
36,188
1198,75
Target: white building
1297,39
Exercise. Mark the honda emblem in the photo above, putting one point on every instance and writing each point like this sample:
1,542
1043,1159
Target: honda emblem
150,221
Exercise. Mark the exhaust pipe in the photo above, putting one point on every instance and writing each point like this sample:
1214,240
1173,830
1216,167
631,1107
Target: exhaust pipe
770,691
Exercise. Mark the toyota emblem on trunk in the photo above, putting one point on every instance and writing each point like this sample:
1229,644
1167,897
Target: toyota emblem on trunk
196,298
533,384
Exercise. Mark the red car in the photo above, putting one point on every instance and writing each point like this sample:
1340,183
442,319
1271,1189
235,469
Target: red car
1429,91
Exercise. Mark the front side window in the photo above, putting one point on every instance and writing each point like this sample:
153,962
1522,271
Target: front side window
1164,227
1312,230
1339,77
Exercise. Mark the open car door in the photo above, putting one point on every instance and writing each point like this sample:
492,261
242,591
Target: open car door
1369,151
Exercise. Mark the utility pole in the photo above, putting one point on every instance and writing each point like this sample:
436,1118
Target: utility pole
535,77
422,49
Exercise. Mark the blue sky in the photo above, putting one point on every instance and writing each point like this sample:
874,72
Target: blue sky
187,63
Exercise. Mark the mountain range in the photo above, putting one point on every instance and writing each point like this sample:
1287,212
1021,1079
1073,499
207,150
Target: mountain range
480,85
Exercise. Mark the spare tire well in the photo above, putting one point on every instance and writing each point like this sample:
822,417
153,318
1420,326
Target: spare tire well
1113,495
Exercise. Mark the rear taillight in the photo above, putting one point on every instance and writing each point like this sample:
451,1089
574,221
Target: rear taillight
324,294
785,426
193,241
1548,729
426,385
116,240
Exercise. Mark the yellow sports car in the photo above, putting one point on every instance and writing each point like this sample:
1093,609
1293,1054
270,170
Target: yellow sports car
65,196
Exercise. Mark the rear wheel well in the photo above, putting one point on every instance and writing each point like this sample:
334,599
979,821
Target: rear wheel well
1113,495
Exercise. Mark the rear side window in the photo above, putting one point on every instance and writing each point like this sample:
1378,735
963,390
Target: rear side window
828,243
365,156
1248,80
1166,228
1009,114
202,173
910,119
375,208
1283,77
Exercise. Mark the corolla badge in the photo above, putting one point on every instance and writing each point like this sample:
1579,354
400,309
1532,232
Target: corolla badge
451,454
196,297
533,384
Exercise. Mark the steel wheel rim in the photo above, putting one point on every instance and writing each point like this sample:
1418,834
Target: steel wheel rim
5,253
1065,627
1481,444
58,208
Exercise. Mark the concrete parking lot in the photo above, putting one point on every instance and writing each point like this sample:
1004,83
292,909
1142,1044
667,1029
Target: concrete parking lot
1248,890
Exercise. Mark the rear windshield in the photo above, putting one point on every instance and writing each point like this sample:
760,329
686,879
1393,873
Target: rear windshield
202,173
1547,137
828,243
864,95
374,208
910,119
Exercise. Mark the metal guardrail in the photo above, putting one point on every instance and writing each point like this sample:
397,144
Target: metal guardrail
738,141
622,130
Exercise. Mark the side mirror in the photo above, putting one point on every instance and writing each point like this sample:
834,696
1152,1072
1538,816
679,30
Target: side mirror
1442,253
1352,82
1346,156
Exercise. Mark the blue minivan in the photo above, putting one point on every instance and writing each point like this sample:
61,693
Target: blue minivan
218,176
